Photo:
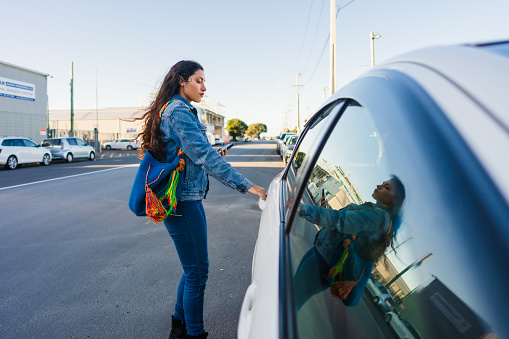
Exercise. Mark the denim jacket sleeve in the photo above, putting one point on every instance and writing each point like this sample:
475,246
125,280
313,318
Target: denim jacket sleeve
365,220
184,130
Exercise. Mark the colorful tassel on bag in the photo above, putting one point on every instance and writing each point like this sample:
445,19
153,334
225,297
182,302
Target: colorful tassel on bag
154,206
340,288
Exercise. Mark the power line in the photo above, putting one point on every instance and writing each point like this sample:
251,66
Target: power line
325,46
305,34
314,38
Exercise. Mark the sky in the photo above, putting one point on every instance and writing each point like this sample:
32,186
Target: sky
250,50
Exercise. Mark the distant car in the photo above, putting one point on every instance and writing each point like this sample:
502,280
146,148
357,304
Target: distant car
288,153
376,289
69,148
218,141
128,144
385,303
402,327
288,141
15,151
280,139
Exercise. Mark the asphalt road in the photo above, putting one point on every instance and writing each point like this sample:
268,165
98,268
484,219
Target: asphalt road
76,263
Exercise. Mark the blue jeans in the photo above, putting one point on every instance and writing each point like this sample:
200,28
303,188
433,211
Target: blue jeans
189,233
310,277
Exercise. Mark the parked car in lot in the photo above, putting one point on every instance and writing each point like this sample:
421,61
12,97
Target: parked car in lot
385,303
218,141
402,327
15,151
288,143
437,119
69,148
376,290
128,144
280,139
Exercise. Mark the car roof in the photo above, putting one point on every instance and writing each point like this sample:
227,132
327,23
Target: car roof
483,82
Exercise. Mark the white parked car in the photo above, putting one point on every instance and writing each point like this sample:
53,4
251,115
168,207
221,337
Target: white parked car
128,144
437,118
289,141
402,327
15,151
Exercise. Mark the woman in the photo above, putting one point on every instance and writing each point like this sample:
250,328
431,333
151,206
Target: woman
374,227
178,127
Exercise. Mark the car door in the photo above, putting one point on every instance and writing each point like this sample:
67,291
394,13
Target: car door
451,209
82,146
33,151
22,152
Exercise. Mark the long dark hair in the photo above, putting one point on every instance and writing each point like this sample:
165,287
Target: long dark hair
151,131
395,215
377,250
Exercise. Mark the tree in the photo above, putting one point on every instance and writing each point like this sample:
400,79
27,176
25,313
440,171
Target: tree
256,129
236,127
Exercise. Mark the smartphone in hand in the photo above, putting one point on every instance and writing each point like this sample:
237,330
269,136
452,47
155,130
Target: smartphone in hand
225,147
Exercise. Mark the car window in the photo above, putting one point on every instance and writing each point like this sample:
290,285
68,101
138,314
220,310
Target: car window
29,143
17,143
72,141
410,235
304,152
51,142
80,142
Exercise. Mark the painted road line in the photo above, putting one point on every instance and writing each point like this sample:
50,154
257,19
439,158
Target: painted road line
67,177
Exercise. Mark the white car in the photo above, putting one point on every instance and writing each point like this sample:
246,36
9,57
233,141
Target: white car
128,144
437,118
15,151
69,148
402,327
289,140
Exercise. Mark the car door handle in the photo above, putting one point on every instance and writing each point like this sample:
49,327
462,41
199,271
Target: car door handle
245,319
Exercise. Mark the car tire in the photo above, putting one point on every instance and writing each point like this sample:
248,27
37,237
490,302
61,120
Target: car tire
376,300
12,162
69,157
91,156
46,160
129,147
388,318
108,147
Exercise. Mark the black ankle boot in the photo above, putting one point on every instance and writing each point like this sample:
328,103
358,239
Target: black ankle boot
201,336
178,329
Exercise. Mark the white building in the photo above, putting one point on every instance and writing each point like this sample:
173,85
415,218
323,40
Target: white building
23,102
116,123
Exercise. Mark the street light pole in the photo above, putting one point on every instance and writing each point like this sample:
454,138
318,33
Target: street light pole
71,134
298,103
96,102
412,265
373,36
333,46
96,130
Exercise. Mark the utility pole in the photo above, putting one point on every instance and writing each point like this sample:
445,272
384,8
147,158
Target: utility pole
373,36
96,129
412,265
71,133
298,103
333,46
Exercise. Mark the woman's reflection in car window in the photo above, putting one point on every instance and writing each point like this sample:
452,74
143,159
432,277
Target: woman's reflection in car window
350,241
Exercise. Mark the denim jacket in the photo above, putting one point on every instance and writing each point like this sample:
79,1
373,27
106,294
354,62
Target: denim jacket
368,221
181,129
